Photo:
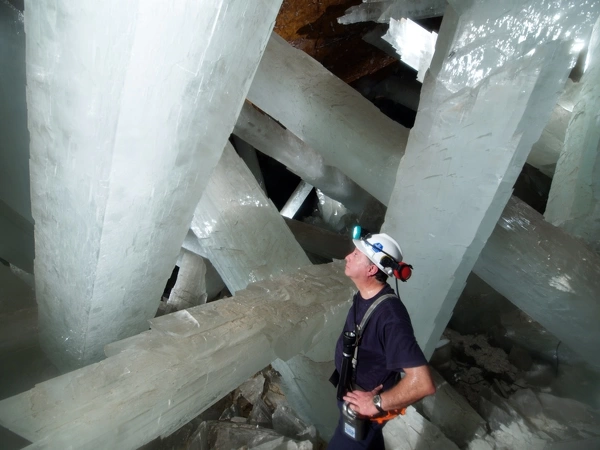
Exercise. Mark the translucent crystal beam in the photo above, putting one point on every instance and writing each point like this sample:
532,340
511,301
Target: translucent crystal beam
130,105
493,82
525,287
240,230
153,383
262,132
574,200
190,287
546,151
296,200
246,239
550,275
382,11
414,45
320,109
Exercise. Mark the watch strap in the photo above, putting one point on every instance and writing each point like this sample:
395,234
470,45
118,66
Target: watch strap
377,403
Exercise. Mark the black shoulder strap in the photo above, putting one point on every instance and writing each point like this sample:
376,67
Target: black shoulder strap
367,316
363,323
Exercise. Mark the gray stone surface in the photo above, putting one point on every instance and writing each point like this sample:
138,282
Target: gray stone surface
452,414
413,432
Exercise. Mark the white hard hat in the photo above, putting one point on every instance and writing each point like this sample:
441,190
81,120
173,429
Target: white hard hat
377,247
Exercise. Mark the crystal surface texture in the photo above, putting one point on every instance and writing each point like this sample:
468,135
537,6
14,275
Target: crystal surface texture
125,129
155,382
299,93
262,132
413,431
413,44
190,287
574,200
494,79
247,240
242,233
248,155
558,277
546,151
296,200
382,11
452,413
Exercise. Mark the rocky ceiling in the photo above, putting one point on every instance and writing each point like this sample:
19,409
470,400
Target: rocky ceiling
311,26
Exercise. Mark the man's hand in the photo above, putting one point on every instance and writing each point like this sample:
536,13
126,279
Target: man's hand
362,402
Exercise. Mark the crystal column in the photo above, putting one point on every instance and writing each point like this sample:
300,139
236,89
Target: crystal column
512,279
480,112
153,383
328,115
574,200
190,287
265,134
130,105
240,230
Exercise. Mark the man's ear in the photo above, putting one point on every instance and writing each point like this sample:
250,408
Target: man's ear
373,269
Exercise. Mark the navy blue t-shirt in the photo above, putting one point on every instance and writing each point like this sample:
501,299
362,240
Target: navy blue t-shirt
388,343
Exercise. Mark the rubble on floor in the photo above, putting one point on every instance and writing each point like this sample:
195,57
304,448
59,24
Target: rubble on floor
518,414
483,402
255,416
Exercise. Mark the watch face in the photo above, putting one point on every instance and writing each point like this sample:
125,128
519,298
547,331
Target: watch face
377,403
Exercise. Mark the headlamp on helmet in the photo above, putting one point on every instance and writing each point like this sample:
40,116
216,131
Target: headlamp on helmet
383,251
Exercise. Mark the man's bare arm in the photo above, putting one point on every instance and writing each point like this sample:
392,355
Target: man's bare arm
416,384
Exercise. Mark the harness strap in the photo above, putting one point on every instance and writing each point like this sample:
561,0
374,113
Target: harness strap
363,323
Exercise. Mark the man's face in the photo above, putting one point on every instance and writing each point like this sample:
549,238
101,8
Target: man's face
357,265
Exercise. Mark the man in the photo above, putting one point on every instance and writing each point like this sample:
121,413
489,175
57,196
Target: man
386,348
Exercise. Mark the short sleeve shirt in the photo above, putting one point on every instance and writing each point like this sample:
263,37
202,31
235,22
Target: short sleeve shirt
388,344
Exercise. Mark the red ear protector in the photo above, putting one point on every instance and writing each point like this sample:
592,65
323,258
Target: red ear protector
401,270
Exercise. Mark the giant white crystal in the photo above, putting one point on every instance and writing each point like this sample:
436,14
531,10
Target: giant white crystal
190,286
153,383
240,230
574,200
413,44
551,276
546,151
320,109
493,81
279,143
382,10
129,107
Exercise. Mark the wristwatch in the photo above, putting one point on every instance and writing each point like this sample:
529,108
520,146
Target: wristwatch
377,403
